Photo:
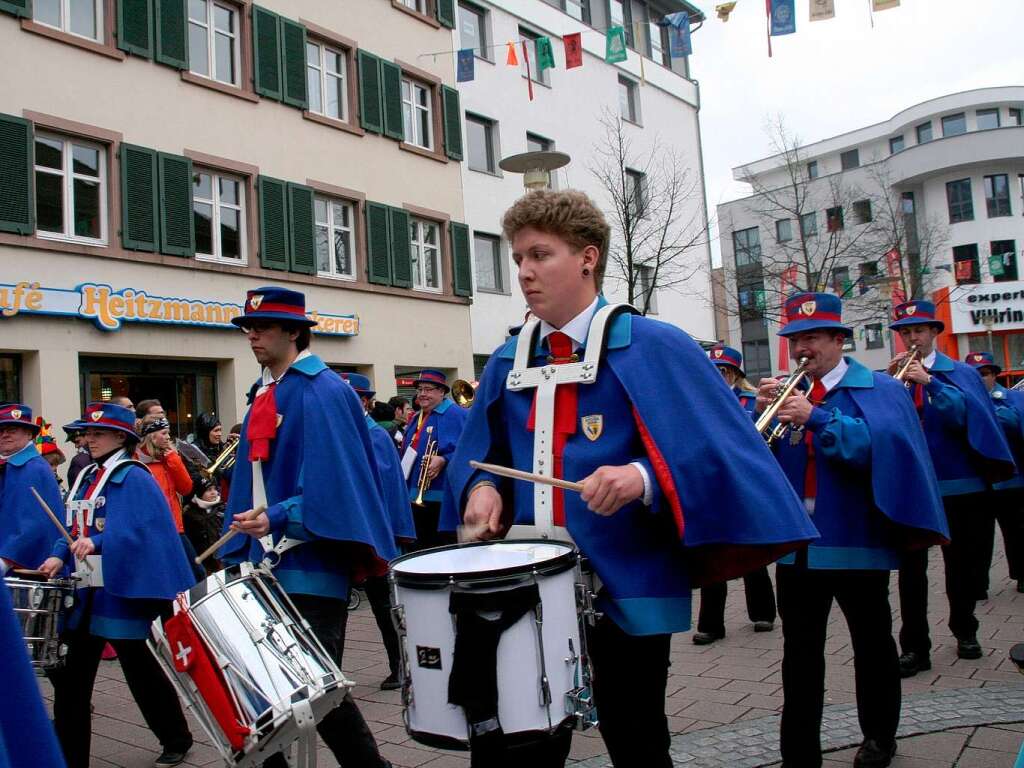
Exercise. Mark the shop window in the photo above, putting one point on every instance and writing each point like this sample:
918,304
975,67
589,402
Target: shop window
535,73
746,245
213,41
783,230
629,100
997,195
335,237
71,189
83,18
924,132
481,138
1014,358
954,125
834,219
326,79
965,263
418,113
958,196
425,245
490,271
873,336
219,213
10,378
809,224
987,118
1003,260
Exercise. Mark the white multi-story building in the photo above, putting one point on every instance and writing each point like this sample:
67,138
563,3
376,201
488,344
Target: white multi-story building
656,101
955,164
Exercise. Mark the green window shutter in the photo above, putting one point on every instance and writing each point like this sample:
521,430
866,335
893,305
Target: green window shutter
273,222
461,262
171,33
391,100
293,63
17,213
452,123
302,230
135,27
378,250
16,7
369,91
401,248
177,236
139,222
266,43
445,12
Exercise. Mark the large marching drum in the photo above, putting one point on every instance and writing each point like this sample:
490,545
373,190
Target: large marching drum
40,605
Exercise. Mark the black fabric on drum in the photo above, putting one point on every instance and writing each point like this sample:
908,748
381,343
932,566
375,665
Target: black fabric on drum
473,681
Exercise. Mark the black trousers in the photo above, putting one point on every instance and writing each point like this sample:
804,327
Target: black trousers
152,691
805,601
379,594
1008,511
343,729
760,601
426,519
963,557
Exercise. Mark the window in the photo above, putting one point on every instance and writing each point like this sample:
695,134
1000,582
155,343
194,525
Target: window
1003,261
71,189
535,74
757,359
325,81
850,159
335,238
426,255
213,40
578,9
896,144
862,211
480,135
953,125
987,118
997,195
747,246
958,194
472,32
77,17
965,263
629,100
873,337
841,281
420,6
535,143
636,193
809,224
219,217
834,219
490,275
647,297
812,169
783,230
1016,116
417,114
924,133
10,378
868,273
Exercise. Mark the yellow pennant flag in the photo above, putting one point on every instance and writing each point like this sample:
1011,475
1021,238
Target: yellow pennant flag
822,9
884,5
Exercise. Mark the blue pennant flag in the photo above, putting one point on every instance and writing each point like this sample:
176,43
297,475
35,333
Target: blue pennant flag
466,65
783,17
679,44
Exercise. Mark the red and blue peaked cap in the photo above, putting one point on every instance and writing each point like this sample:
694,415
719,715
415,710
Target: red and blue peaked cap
916,312
275,304
18,414
360,383
106,416
430,376
979,360
727,356
812,312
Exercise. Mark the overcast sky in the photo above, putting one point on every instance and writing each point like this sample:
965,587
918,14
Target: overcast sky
837,75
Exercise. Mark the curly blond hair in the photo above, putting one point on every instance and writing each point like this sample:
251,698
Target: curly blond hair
569,214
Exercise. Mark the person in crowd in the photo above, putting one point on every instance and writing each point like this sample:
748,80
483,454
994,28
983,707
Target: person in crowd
969,451
151,410
124,401
203,518
856,455
384,416
209,436
403,412
131,564
48,448
306,487
757,584
81,459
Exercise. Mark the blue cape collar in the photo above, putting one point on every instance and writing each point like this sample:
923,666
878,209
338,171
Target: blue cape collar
22,457
310,365
857,376
943,363
443,406
619,335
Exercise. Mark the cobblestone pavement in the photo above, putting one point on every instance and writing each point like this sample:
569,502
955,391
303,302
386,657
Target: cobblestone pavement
730,690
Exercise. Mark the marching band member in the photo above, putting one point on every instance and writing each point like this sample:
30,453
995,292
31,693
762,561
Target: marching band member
1008,506
969,451
439,421
659,503
26,534
306,456
117,512
847,434
757,584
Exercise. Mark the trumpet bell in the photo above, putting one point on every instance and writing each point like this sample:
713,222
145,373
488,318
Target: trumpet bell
463,392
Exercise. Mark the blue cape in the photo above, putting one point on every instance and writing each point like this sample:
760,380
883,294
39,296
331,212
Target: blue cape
396,500
733,508
984,434
26,533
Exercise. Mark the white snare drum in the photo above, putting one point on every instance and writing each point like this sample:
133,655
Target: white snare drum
543,673
40,606
276,675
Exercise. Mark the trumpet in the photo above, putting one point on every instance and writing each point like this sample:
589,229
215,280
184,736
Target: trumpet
786,388
225,460
424,479
904,369
463,393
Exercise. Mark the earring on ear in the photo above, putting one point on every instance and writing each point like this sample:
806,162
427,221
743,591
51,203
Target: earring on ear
586,272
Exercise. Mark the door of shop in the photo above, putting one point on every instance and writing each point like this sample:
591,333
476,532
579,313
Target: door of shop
184,389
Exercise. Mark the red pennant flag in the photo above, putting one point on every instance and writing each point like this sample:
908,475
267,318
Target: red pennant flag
512,60
573,50
529,77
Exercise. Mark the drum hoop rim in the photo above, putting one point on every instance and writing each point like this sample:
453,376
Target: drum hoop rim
552,567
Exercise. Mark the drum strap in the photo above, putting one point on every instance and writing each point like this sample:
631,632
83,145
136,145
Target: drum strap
259,498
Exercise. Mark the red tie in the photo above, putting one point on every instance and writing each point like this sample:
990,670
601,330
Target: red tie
564,418
817,397
919,398
262,424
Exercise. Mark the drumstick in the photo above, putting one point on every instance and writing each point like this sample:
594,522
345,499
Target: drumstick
251,515
518,474
55,521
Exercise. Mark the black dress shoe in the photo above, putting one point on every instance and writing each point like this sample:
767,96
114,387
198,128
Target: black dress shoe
764,626
170,757
707,638
874,755
391,682
968,648
912,662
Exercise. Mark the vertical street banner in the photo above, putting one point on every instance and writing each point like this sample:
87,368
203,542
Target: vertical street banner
783,17
466,65
822,10
615,45
679,42
787,284
573,45
545,53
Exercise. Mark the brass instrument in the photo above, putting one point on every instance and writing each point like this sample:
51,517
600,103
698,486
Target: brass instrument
463,393
225,460
786,388
424,480
904,369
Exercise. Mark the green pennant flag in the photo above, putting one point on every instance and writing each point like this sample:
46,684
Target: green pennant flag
995,265
545,54
615,48
759,300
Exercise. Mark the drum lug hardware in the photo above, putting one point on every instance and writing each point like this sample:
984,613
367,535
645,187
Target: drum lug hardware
585,599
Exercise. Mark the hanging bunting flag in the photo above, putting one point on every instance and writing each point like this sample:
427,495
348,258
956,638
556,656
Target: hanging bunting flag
884,5
679,43
545,53
511,59
822,9
573,45
615,45
529,76
724,9
964,270
783,17
768,24
466,65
